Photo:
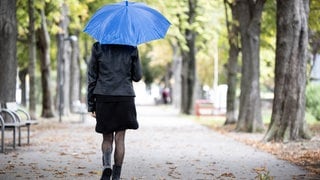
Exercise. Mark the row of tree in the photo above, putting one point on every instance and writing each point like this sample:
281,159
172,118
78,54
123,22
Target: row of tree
244,19
41,39
43,29
292,29
287,22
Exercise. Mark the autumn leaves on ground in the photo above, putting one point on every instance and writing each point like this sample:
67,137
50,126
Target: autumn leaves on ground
71,150
305,153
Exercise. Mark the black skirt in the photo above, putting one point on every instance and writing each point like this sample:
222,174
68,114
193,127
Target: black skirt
115,113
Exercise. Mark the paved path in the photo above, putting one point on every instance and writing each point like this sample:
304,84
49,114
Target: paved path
166,146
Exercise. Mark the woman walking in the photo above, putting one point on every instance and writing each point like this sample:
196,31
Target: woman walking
112,68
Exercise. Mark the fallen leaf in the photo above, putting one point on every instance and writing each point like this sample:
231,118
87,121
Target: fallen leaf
79,174
93,172
227,175
260,169
63,154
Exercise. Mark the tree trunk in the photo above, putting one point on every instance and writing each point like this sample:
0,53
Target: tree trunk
187,82
60,76
67,74
176,69
233,38
249,119
8,49
86,59
188,72
64,51
32,60
288,114
87,52
44,47
75,86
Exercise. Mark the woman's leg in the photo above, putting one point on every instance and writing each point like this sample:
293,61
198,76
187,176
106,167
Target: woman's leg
107,142
119,147
118,154
106,148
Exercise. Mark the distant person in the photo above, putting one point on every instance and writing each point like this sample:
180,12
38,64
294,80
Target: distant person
111,70
165,95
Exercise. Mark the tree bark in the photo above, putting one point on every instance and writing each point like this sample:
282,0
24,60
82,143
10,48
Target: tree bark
44,47
233,39
288,113
188,72
8,49
60,76
67,73
75,78
249,119
176,67
187,82
64,52
32,60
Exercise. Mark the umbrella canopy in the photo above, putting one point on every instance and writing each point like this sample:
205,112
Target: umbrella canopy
127,23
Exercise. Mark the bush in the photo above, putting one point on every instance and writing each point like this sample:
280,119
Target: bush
313,100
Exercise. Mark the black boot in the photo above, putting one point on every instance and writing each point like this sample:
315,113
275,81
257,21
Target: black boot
106,161
106,174
116,172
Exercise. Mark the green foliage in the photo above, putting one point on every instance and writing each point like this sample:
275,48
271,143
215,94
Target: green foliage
22,18
267,66
52,10
313,100
155,58
209,26
268,46
78,14
314,15
148,73
205,66
268,26
211,42
310,118
264,176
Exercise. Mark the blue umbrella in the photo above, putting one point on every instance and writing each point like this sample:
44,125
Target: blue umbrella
127,23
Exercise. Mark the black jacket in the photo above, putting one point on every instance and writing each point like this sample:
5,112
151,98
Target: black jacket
112,68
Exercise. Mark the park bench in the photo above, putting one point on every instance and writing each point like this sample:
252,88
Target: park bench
15,118
23,119
8,122
204,107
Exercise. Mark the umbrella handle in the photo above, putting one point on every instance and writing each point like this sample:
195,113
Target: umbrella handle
126,2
